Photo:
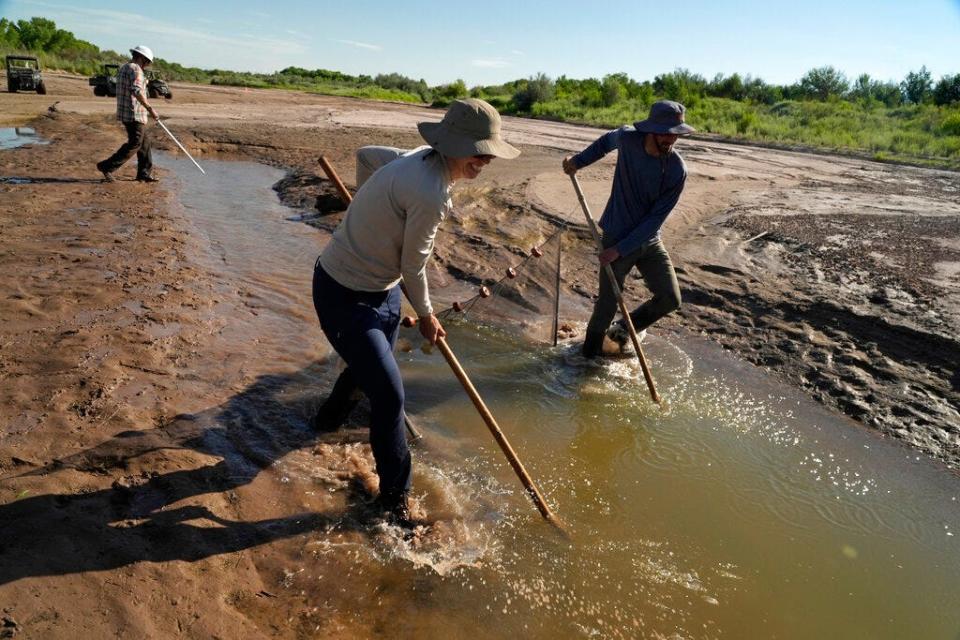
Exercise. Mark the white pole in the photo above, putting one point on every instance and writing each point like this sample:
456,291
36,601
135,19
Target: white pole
182,148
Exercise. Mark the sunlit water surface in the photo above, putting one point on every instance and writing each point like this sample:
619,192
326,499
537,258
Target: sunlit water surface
740,509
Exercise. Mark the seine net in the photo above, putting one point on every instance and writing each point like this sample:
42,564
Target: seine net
525,299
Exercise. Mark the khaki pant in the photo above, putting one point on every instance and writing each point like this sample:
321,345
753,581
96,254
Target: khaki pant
653,262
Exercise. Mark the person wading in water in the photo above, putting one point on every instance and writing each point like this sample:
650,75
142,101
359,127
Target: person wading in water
385,239
647,184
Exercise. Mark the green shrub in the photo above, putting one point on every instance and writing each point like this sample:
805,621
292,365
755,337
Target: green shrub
951,125
538,89
746,121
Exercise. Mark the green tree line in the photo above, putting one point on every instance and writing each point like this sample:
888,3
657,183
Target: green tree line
917,117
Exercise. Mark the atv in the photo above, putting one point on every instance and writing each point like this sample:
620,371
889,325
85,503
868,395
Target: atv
23,74
157,86
105,84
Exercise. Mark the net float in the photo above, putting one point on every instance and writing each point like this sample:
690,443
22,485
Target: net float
536,252
409,321
484,292
457,307
511,272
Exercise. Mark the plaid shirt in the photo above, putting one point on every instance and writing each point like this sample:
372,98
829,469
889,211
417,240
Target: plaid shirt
130,83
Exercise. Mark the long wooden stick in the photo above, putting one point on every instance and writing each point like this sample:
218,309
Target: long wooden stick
498,435
617,292
556,291
335,179
494,428
414,432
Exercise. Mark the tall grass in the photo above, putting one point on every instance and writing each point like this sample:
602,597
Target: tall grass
922,132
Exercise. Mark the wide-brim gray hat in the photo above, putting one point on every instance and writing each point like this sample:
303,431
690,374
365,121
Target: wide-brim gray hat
471,127
666,116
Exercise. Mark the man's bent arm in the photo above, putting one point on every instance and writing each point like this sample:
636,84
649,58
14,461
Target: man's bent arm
599,148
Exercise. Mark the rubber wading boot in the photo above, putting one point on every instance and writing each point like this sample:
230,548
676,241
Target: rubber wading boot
619,333
337,407
592,344
396,509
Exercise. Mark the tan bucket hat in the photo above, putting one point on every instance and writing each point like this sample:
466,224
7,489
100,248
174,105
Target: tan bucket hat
471,127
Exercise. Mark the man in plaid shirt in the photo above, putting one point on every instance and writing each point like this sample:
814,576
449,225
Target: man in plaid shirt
132,110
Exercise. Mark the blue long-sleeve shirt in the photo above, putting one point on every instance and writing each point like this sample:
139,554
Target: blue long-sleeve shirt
645,188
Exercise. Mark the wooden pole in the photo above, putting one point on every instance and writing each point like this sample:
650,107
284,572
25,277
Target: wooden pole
494,428
499,436
556,292
617,292
414,432
335,179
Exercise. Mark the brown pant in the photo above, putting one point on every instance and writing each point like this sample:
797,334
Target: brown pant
138,142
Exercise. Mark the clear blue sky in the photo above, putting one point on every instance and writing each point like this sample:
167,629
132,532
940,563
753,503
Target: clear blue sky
492,41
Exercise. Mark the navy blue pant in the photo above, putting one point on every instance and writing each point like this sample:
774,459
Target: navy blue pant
362,327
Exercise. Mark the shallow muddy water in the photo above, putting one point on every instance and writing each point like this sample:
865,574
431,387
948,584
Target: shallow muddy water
739,510
13,137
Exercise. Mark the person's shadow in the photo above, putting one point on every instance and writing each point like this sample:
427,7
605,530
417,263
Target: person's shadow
58,534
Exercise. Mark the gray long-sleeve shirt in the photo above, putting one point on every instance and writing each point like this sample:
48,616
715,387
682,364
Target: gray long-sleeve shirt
388,231
645,188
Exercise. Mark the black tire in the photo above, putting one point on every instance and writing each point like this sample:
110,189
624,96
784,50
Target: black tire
11,86
99,91
41,88
169,95
151,93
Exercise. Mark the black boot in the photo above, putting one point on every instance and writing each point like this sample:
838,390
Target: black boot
336,409
619,333
592,344
396,509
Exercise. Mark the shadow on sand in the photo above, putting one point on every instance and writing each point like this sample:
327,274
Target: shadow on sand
58,534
